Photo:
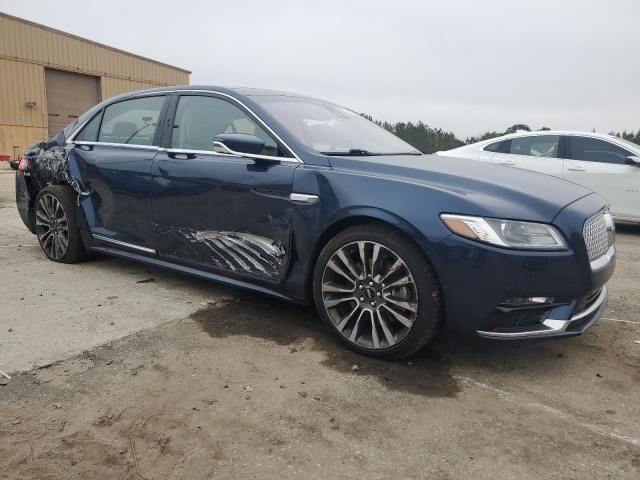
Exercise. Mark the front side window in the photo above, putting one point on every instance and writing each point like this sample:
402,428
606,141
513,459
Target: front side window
199,119
596,150
330,129
536,146
131,122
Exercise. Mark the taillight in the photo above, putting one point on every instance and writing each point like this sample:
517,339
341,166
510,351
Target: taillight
23,166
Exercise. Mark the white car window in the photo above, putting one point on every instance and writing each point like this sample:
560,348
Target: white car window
497,146
536,146
596,150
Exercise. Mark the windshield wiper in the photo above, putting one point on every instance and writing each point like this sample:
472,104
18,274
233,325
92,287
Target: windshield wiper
358,152
353,152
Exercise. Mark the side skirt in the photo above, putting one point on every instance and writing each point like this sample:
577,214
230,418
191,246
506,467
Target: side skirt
157,262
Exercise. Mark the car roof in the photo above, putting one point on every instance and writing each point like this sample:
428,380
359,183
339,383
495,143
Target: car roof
524,133
245,91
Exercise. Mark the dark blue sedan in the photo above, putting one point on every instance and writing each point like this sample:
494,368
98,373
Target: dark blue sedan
308,201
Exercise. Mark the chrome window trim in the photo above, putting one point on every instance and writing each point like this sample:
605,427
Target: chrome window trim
186,151
210,92
248,156
108,144
124,244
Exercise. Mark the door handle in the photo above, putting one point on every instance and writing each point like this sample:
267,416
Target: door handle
181,156
577,169
507,163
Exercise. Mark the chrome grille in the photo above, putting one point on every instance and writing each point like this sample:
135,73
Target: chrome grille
596,236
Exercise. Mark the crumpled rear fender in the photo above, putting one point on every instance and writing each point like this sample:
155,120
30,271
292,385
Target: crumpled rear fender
49,164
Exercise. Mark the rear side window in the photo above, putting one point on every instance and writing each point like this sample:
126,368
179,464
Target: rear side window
131,122
536,146
497,146
89,132
596,150
199,119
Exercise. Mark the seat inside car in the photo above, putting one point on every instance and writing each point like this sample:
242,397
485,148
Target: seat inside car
121,132
197,127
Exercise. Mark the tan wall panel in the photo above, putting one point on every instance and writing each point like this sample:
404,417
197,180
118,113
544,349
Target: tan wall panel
26,48
19,83
24,137
37,44
115,86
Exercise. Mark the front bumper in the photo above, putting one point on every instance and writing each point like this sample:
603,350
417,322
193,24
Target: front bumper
551,327
487,289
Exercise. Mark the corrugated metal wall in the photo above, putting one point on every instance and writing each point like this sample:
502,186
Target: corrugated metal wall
27,48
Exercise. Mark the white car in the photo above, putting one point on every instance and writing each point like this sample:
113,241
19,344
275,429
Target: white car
605,164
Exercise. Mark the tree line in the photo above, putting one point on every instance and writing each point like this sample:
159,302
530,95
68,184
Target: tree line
429,140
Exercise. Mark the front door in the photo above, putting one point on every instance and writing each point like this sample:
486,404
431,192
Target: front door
601,166
536,152
112,156
219,211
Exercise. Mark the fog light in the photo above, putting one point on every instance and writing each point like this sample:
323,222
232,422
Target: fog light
525,301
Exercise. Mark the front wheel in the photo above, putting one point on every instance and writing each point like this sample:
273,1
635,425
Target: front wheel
56,226
376,290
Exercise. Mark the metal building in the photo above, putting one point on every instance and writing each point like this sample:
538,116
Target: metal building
49,77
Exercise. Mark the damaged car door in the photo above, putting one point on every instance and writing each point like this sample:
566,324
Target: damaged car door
221,189
114,154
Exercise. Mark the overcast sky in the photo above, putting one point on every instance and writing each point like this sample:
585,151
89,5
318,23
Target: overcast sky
465,66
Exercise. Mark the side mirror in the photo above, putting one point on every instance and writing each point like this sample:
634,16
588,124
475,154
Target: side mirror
633,160
237,144
13,164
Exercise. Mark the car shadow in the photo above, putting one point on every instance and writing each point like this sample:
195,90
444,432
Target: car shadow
427,372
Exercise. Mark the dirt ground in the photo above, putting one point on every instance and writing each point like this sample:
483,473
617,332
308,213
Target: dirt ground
178,378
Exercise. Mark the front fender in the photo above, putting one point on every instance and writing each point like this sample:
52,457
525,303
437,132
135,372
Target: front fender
346,199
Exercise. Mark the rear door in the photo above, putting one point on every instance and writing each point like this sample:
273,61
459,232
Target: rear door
535,152
217,211
601,166
113,155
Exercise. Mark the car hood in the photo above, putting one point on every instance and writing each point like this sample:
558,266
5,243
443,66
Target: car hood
471,187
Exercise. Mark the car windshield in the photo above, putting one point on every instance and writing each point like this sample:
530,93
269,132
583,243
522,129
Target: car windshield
634,146
331,129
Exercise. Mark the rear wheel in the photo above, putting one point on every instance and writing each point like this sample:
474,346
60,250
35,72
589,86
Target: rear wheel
377,291
56,226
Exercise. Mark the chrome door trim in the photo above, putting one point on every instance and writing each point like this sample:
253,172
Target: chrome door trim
124,244
210,92
304,198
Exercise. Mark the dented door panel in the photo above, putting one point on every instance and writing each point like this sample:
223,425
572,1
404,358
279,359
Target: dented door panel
223,213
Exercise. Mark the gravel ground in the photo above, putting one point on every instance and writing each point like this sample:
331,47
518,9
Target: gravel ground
175,378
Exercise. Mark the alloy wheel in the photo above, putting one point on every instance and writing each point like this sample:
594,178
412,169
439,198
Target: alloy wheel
52,226
369,294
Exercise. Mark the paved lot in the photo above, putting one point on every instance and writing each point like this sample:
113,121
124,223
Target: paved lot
204,381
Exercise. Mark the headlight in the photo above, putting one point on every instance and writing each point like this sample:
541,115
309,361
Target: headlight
506,233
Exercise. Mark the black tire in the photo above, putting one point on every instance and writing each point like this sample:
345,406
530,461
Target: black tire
427,293
74,250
